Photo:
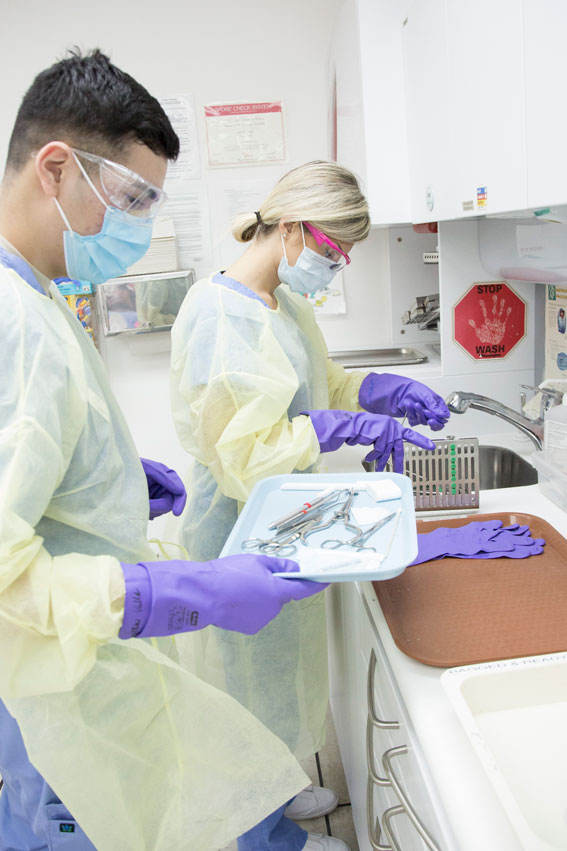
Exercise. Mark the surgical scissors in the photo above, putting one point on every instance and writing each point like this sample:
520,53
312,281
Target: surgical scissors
360,538
283,545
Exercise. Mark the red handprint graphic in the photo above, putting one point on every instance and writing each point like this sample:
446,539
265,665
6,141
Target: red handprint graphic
494,327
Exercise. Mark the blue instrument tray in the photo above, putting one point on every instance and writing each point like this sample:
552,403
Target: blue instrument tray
267,502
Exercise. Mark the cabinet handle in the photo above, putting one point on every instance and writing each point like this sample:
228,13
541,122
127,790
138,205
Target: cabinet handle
373,823
407,805
377,722
372,773
387,817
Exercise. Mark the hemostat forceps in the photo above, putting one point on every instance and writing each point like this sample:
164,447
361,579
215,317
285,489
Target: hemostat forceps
360,538
342,515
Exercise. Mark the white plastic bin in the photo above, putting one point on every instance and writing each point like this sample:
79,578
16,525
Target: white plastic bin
552,478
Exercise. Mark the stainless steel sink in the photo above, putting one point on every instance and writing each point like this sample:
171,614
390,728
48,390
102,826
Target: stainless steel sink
502,468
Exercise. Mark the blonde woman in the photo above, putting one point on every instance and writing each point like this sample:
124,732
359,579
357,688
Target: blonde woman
254,394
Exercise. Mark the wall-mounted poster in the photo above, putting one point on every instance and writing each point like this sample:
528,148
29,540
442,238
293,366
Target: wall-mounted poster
245,133
180,110
556,332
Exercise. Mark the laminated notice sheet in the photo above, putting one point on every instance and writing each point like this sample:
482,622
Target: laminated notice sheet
245,133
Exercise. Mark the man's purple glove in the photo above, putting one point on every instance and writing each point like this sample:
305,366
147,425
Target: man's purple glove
167,492
237,592
333,428
479,539
396,396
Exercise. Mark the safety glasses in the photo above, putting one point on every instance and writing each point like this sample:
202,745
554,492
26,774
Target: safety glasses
125,189
332,250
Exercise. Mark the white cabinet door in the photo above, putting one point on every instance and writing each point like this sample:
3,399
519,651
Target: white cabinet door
486,105
380,25
351,148
431,156
371,132
545,36
466,112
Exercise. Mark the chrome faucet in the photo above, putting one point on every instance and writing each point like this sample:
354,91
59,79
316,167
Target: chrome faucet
458,402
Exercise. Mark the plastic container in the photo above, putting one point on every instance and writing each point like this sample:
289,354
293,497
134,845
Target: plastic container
552,479
555,432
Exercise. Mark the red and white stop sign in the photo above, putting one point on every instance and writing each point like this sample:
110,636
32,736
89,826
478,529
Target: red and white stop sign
489,320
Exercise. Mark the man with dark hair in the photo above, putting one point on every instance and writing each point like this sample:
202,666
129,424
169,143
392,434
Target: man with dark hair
94,103
106,741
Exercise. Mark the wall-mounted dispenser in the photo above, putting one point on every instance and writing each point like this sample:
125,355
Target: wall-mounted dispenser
529,247
141,304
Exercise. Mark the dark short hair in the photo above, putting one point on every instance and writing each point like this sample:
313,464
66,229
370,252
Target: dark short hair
93,105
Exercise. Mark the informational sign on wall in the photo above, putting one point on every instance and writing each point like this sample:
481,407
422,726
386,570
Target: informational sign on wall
489,320
555,332
245,133
180,110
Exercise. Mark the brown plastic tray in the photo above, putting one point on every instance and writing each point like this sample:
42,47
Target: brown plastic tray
462,611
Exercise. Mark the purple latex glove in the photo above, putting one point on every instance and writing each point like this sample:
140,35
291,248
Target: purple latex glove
237,593
333,428
396,396
167,492
478,539
535,549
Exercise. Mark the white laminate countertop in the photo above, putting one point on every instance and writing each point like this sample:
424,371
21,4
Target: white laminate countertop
472,808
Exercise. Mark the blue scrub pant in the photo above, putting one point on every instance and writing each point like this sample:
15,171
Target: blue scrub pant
32,818
274,833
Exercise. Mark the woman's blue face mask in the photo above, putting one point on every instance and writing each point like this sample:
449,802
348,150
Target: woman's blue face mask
311,271
122,240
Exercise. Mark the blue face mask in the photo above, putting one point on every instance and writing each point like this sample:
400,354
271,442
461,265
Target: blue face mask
311,272
122,240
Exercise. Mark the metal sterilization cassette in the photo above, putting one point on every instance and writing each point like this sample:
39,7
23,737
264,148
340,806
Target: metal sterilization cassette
446,478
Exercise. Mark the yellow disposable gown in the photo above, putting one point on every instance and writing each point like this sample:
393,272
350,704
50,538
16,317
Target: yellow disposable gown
241,375
144,755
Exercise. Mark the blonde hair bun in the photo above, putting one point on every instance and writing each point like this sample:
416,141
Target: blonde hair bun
323,193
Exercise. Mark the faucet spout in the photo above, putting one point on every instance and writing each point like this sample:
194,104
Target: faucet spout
458,402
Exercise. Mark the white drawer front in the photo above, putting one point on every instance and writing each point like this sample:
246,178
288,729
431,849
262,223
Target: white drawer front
409,823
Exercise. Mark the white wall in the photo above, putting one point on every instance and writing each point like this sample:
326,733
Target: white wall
216,50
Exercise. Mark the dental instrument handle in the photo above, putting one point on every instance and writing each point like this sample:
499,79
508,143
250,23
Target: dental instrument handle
292,515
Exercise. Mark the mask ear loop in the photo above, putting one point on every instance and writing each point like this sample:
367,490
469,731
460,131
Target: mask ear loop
63,216
283,243
92,186
283,246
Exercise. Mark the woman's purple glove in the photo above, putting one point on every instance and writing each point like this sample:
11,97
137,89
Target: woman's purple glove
167,492
396,396
479,539
333,428
237,592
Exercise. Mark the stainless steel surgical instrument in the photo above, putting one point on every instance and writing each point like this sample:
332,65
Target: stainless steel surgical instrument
282,544
359,539
303,509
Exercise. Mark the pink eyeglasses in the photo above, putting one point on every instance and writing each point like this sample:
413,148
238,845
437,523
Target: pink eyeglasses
334,253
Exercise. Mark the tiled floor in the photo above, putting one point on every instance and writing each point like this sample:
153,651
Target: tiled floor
325,769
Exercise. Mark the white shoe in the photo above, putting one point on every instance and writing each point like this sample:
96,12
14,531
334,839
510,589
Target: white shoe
312,802
318,842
